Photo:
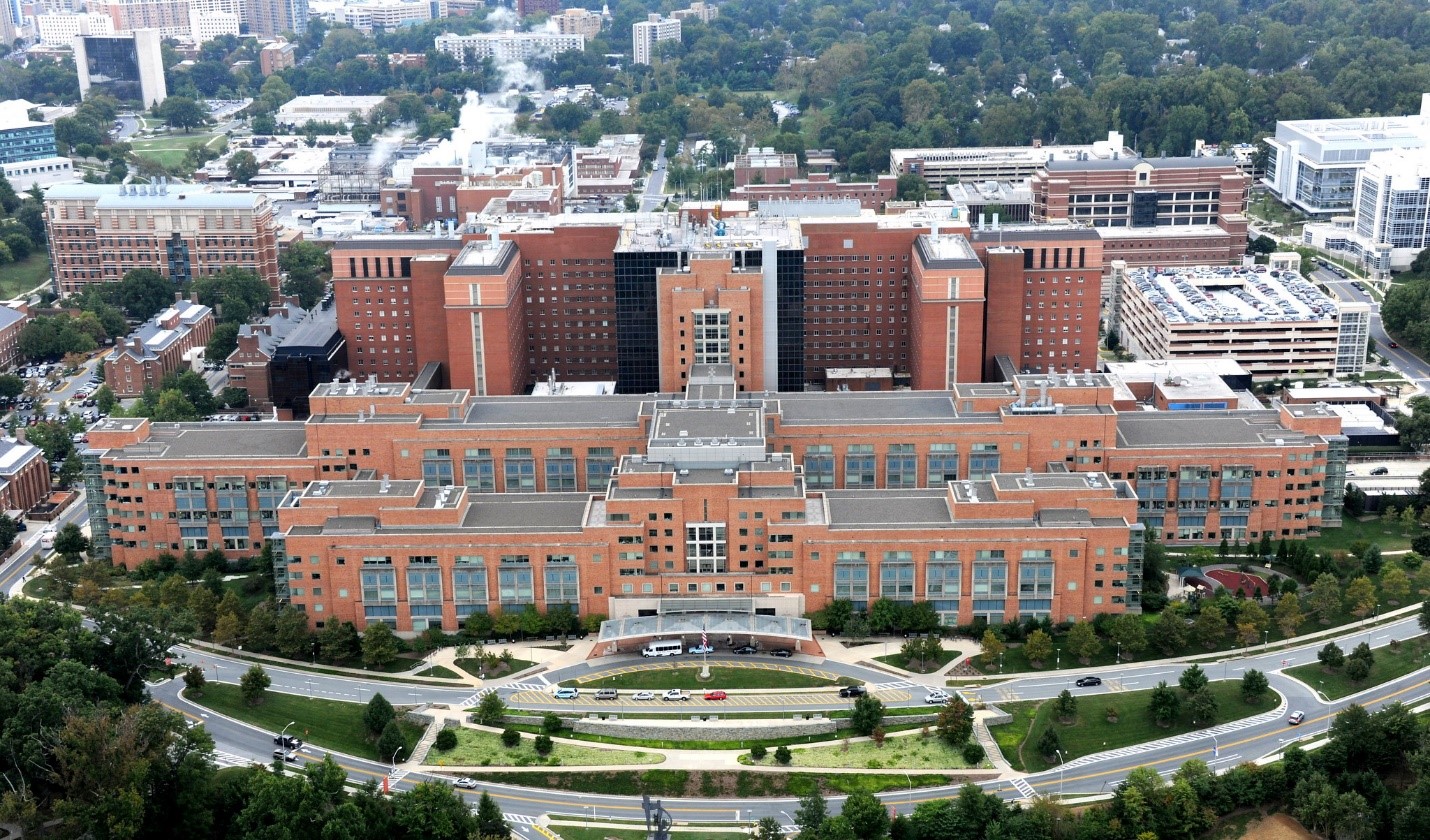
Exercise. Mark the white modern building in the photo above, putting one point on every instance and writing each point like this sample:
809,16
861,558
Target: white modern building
507,47
1274,323
62,29
1313,164
941,167
388,15
647,33
326,109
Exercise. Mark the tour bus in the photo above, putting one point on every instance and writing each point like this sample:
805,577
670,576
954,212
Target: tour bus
664,647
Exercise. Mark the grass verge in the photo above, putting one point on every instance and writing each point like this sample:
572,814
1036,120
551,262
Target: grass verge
716,784
726,677
329,724
912,752
1407,657
484,749
1091,732
666,744
898,660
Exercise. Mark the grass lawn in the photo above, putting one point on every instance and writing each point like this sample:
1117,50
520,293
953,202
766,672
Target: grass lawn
474,666
907,752
898,660
1092,733
439,671
323,723
1389,664
1389,536
726,677
484,749
598,832
20,277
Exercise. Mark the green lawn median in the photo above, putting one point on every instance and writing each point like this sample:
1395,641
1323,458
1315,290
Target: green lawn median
329,724
1092,731
484,749
1404,658
729,677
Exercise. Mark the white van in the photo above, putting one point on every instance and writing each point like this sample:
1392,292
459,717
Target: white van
667,647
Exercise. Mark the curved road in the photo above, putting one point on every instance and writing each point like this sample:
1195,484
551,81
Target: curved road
1223,746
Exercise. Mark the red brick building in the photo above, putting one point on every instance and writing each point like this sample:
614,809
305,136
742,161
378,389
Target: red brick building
819,186
1151,211
989,500
143,358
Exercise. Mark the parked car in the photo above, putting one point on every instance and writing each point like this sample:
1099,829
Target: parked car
853,691
467,783
566,693
745,650
715,695
1296,718
607,694
937,697
643,695
1084,682
675,694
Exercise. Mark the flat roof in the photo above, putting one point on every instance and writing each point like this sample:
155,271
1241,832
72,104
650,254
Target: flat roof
1260,429
245,441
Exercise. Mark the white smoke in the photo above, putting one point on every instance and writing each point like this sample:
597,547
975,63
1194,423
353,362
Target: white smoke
385,145
477,122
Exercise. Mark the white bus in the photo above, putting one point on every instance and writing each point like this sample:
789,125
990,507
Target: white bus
664,647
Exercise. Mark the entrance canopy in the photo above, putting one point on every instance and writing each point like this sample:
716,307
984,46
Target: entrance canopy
715,624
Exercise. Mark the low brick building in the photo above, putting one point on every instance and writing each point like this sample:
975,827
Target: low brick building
144,357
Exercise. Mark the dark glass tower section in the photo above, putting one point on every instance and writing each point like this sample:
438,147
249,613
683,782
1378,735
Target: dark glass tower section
637,329
789,280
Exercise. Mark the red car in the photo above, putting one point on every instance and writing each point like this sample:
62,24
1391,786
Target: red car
715,695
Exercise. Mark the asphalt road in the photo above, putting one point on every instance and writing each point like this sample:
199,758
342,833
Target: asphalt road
1223,746
655,183
1413,367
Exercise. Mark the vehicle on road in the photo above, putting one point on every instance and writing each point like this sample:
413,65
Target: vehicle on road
607,694
696,650
782,653
745,650
566,693
937,697
675,694
663,647
643,695
716,695
286,755
1084,682
853,691
1296,718
467,783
